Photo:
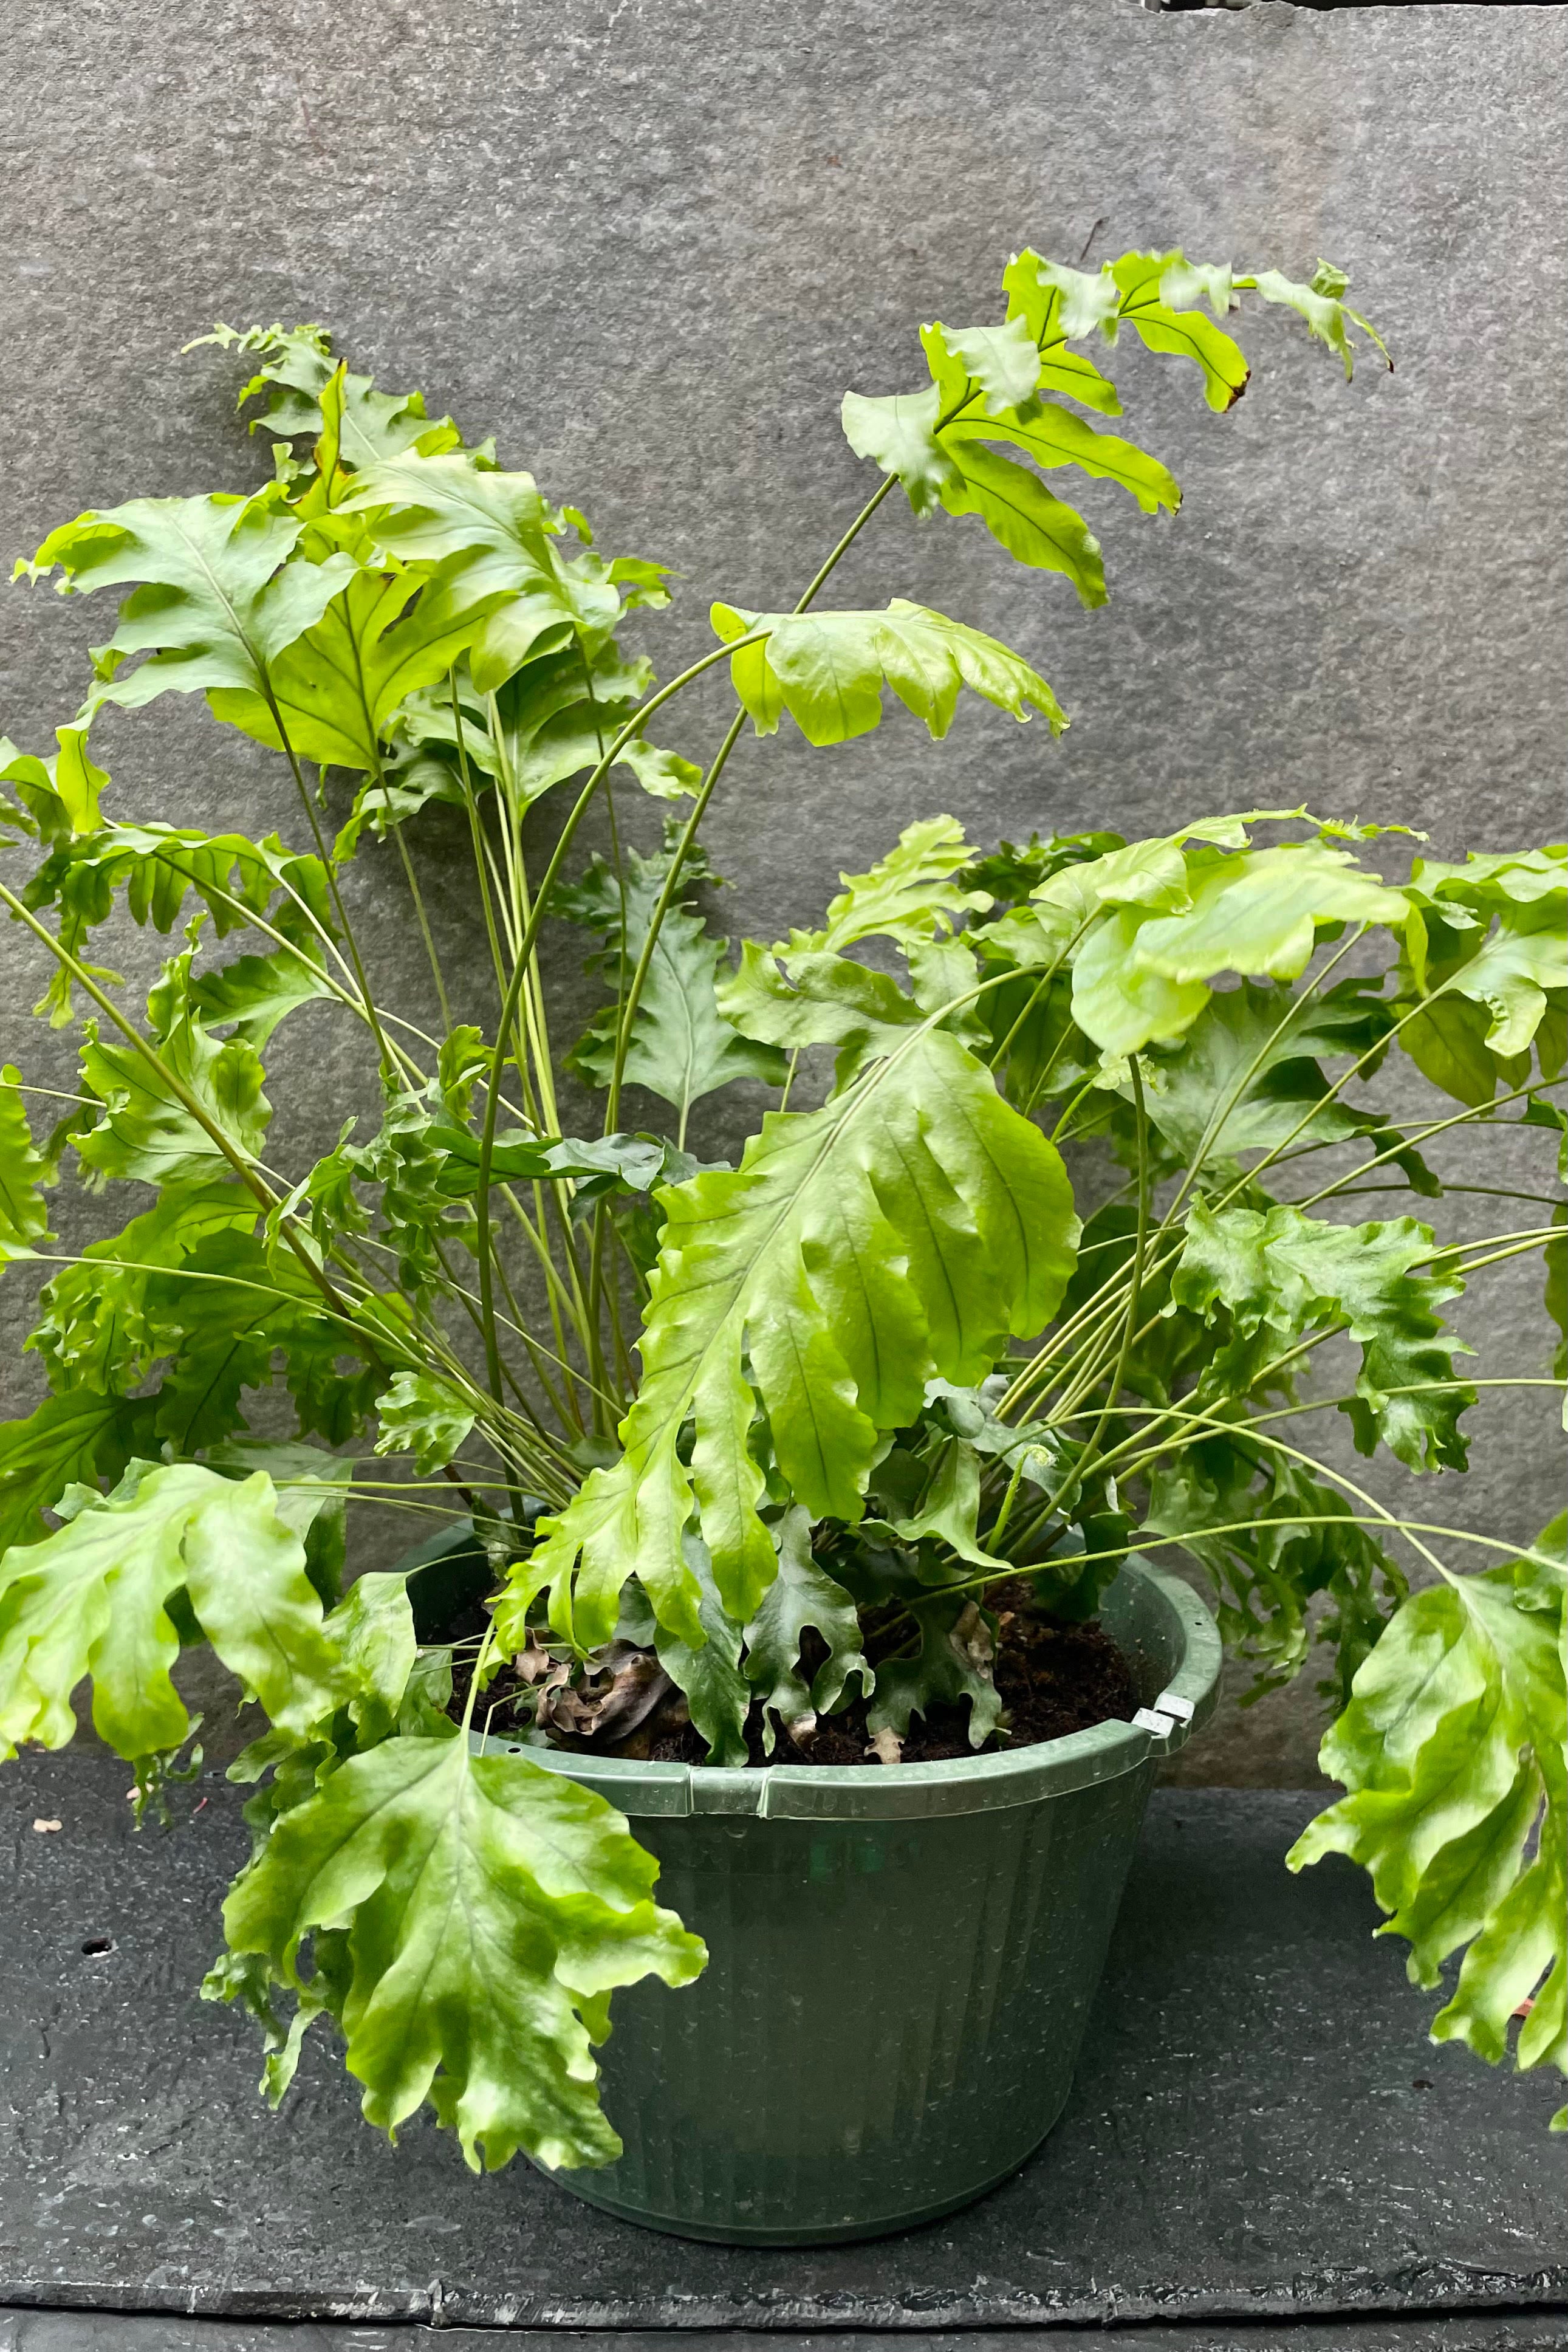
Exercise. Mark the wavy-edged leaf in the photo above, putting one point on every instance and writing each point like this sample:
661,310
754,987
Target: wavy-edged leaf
91,1600
312,1491
802,1597
814,998
1034,526
944,462
898,1232
408,1162
1454,1755
951,1666
218,599
251,1592
37,810
433,507
1118,1001
1481,988
1035,297
1287,1539
96,1328
146,1130
553,720
491,1906
947,1507
1150,874
557,718
1058,303
1140,280
1252,1056
711,1676
1141,974
665,775
23,1168
65,1441
1328,319
1489,883
828,669
382,638
1001,363
1510,974
254,992
682,1046
1278,1274
1447,1040
159,866
1257,913
77,781
596,1169
943,976
224,1314
1148,291
373,1630
898,433
1051,435
908,895
297,369
57,797
425,1416
428,508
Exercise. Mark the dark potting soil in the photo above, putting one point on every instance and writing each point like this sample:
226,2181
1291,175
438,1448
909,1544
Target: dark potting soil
1053,1678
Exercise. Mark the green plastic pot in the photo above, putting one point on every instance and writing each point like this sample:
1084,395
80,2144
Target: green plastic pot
901,1960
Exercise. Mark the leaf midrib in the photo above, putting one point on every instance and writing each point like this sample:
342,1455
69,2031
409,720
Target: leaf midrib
869,1086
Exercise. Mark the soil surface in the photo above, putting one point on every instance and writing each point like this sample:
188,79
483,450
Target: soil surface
1053,1678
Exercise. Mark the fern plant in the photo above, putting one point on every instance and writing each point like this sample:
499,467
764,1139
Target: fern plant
780,1427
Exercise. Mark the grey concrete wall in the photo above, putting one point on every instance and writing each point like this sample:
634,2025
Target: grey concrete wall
652,241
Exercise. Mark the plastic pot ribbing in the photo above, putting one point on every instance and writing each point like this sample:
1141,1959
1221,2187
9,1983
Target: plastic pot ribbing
901,1961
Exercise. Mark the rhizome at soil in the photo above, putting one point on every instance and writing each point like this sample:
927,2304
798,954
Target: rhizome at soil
1053,1678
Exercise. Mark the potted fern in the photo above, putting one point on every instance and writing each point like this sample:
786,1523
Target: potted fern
793,1527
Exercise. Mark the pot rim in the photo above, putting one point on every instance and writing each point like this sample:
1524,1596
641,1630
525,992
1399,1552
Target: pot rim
953,1785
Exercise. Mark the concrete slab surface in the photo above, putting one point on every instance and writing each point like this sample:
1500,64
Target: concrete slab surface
1260,2132
34,2331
